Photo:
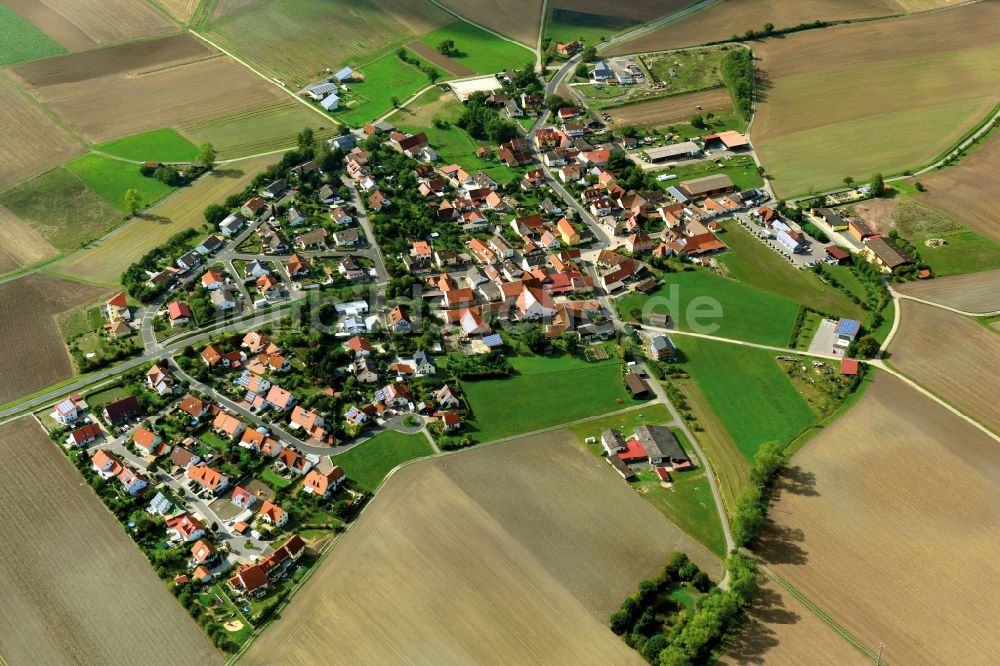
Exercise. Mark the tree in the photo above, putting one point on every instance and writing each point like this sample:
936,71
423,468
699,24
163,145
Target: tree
554,102
133,201
432,74
698,121
306,140
849,180
168,176
867,347
395,102
768,461
877,185
768,28
207,156
447,48
582,71
589,53
920,186
215,214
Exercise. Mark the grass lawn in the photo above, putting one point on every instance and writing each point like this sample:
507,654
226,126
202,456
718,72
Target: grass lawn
20,40
753,263
273,479
484,52
747,313
566,25
546,392
80,320
385,78
226,612
882,332
687,503
810,324
96,401
211,439
740,168
452,143
369,462
747,390
964,251
685,71
162,145
61,208
110,179
846,277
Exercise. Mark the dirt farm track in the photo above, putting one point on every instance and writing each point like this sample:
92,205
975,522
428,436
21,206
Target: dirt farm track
973,292
514,553
965,372
75,589
887,521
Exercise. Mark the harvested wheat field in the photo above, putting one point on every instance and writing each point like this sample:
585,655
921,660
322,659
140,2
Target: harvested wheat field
20,245
182,10
669,109
969,190
780,630
129,89
734,17
75,589
512,553
638,11
32,142
887,521
106,260
921,91
34,355
965,371
82,24
978,293
517,19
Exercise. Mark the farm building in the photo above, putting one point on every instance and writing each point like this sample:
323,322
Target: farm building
636,386
790,239
463,89
859,229
886,254
345,75
730,140
620,467
837,254
661,347
707,186
661,446
321,90
675,151
832,218
330,102
612,441
847,330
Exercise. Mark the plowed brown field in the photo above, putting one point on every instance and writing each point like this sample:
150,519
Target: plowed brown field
514,553
32,142
33,355
75,589
887,521
81,24
953,356
973,292
517,19
639,10
671,109
734,17
430,54
124,90
20,245
969,190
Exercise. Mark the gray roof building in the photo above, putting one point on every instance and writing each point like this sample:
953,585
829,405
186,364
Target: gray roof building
660,444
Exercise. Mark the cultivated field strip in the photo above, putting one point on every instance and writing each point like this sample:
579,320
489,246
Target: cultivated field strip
32,142
34,355
965,371
75,589
639,10
512,553
973,292
81,24
725,19
516,19
970,189
670,109
887,522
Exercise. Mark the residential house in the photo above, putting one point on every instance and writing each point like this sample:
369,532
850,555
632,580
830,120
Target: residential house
84,435
280,399
116,308
314,240
399,320
105,464
252,580
120,410
228,425
446,398
210,479
232,224
178,313
185,527
272,514
347,238
148,442
133,482
324,484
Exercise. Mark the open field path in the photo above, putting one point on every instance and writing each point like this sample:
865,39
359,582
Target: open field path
899,295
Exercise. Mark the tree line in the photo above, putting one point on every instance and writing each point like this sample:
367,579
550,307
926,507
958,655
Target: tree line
737,74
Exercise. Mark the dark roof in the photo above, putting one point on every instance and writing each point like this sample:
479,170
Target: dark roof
718,181
887,251
660,442
621,468
635,384
119,409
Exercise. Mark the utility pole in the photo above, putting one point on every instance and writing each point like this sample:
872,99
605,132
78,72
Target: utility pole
878,658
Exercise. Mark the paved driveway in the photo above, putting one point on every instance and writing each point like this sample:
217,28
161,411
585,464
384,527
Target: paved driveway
822,342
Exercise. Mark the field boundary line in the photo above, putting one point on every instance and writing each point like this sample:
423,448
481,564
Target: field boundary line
975,315
25,93
267,78
815,610
448,10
